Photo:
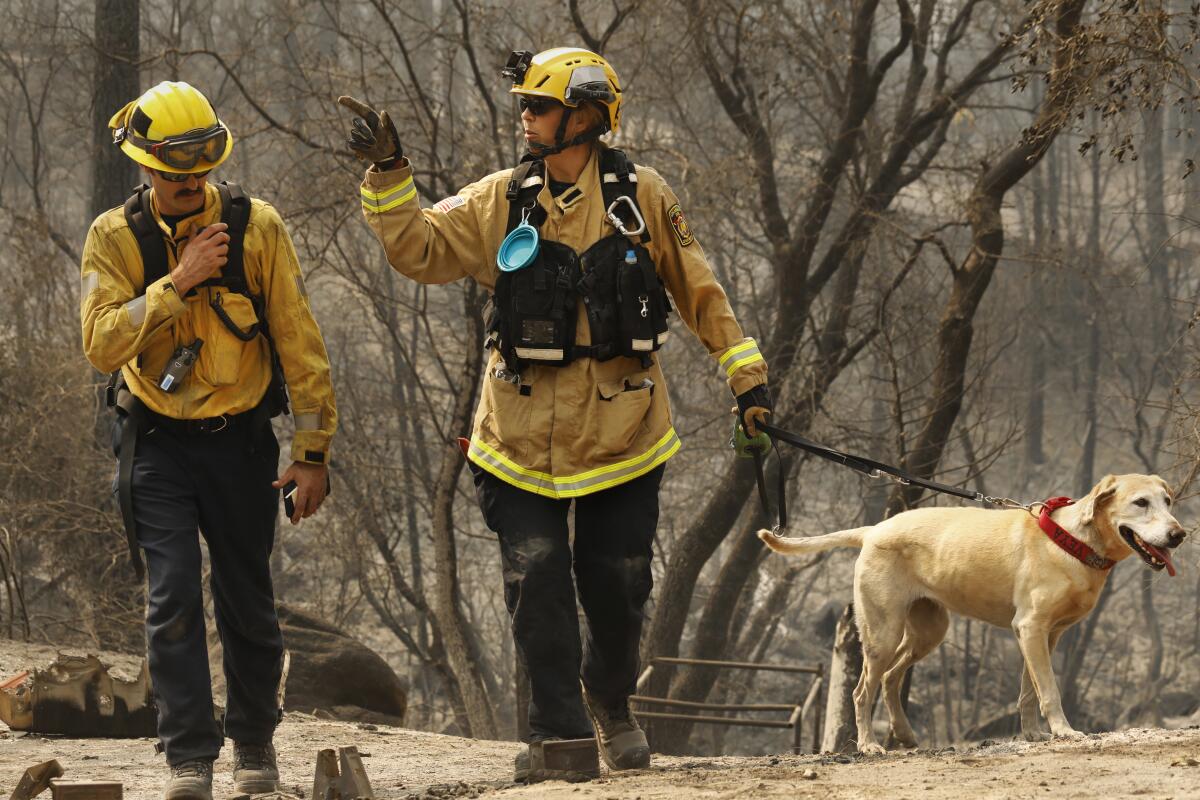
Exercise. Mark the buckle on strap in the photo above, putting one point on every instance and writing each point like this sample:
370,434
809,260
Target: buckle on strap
212,424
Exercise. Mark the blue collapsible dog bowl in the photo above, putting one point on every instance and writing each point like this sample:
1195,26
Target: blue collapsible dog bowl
518,249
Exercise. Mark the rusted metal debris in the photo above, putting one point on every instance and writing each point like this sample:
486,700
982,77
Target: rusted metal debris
86,790
575,757
76,696
36,779
341,776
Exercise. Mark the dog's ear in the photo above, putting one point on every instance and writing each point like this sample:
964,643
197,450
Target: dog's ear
1101,493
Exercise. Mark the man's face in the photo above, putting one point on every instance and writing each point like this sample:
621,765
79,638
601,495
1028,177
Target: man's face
178,197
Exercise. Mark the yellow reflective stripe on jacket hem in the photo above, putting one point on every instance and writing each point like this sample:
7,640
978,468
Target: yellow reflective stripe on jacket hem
378,202
746,353
573,485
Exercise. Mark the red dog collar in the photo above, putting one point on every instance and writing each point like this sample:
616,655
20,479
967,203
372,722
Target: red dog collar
1066,541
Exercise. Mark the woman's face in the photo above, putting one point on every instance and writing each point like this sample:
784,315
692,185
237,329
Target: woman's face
540,127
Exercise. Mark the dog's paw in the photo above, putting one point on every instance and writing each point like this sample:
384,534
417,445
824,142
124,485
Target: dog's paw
871,749
1069,734
1036,736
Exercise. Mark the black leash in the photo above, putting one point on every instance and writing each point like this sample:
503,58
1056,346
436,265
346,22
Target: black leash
867,466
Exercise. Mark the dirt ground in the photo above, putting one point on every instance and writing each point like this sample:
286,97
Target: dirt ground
405,764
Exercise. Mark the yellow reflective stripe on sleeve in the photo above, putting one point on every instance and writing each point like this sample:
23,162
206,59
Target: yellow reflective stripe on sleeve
308,422
573,485
89,283
378,202
136,309
739,356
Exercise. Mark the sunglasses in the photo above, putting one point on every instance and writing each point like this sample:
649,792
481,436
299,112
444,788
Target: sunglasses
537,105
181,177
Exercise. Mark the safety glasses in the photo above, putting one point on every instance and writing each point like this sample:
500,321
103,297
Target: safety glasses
537,105
181,177
185,152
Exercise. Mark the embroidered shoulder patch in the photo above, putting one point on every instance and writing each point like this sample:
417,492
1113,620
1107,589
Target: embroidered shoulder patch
683,231
447,204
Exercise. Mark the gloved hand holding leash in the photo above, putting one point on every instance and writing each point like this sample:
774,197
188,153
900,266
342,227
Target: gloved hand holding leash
753,404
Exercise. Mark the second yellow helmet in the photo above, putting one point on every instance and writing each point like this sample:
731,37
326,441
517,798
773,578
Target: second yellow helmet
570,75
172,128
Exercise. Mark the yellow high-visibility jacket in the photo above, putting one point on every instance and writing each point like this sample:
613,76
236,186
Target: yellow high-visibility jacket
573,430
138,330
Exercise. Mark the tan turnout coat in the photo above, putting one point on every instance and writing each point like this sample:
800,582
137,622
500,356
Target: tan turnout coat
573,430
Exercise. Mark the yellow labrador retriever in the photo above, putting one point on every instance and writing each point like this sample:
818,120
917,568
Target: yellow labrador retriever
995,566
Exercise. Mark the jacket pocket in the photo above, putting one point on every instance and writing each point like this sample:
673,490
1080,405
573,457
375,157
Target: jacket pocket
220,359
510,413
621,411
150,363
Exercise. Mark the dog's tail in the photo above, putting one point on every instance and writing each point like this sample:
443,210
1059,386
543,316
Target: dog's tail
852,537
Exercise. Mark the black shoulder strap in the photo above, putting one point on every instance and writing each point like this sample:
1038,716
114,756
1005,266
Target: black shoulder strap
235,212
149,236
618,178
526,182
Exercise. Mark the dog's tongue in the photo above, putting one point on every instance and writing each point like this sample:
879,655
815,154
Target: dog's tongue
1162,553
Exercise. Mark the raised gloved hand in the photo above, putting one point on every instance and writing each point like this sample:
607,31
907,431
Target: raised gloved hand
753,404
373,137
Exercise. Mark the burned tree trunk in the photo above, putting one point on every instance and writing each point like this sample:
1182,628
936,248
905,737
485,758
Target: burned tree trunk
972,278
114,85
461,647
841,734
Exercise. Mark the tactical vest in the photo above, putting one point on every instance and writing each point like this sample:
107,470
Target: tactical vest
532,314
235,213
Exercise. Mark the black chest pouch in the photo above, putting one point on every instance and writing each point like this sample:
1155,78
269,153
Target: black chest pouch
535,308
627,305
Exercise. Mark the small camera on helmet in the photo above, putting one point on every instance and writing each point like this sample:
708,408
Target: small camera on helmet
518,65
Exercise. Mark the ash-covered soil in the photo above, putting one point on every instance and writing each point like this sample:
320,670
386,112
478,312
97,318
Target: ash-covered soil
412,764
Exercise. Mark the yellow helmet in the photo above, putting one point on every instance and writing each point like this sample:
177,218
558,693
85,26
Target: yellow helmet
570,75
172,128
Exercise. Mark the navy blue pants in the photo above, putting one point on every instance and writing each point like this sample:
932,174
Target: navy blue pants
614,538
218,485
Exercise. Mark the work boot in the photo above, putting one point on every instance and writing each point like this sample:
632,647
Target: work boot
190,780
254,769
621,741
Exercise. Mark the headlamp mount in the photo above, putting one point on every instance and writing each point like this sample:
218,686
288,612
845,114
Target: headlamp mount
517,65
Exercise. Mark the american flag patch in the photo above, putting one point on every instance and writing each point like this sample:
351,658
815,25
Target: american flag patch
451,202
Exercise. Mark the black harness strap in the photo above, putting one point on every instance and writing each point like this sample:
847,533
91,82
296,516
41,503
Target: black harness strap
149,236
127,405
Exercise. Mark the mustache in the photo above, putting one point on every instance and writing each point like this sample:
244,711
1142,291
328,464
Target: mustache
189,192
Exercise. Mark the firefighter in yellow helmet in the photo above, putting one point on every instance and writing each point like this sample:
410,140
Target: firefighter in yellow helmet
192,297
584,254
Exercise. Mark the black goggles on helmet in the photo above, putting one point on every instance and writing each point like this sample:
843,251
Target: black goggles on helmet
186,151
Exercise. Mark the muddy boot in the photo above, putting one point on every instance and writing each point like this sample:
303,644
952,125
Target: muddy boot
254,769
190,780
622,742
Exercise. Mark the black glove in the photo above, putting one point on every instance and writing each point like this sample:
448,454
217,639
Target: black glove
373,137
753,404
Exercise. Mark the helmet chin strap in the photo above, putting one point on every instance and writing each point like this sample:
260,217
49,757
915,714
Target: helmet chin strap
541,151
